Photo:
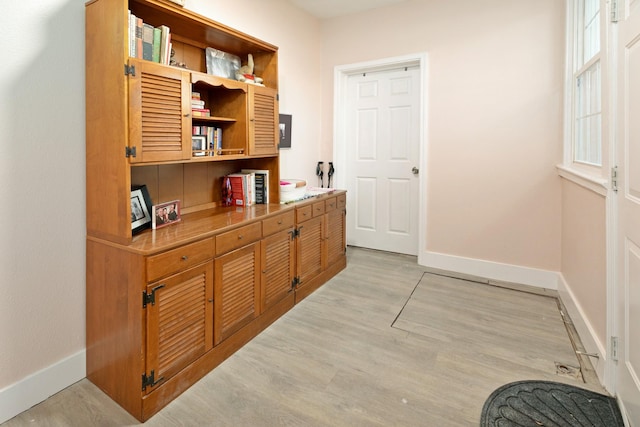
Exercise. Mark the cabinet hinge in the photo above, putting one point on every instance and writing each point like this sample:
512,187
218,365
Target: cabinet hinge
150,298
130,151
614,179
149,381
129,70
614,11
614,349
295,282
295,233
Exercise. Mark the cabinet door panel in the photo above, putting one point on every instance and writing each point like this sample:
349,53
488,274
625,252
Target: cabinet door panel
159,113
236,290
263,121
335,235
278,267
179,321
309,249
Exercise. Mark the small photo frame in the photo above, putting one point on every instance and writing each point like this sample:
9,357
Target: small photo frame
285,131
140,209
199,145
165,214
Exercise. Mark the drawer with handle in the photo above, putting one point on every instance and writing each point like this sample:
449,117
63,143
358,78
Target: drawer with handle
179,259
238,237
277,223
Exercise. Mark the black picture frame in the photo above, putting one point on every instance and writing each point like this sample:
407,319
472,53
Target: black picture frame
285,131
140,209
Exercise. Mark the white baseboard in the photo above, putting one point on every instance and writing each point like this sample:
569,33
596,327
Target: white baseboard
491,270
40,385
584,329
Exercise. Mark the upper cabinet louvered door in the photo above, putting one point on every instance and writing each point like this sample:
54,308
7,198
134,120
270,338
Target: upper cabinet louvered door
263,121
236,290
179,322
159,113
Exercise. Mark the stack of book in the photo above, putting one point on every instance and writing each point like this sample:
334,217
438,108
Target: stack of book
248,187
148,42
197,106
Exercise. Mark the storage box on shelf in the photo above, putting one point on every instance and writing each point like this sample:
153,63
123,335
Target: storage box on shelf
166,306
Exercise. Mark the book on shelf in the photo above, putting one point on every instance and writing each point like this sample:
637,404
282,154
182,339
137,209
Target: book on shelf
155,53
239,189
132,35
147,42
138,37
165,52
197,103
200,112
260,185
195,95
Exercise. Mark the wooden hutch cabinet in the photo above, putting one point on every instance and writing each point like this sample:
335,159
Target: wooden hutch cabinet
166,306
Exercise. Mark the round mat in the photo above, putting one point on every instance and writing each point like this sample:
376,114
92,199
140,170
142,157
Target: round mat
547,403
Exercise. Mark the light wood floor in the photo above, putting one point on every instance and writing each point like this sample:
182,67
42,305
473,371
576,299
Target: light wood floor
381,344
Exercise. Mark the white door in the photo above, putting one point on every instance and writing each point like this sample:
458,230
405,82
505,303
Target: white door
382,159
628,148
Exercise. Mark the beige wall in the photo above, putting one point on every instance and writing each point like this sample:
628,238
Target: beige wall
494,139
494,117
584,253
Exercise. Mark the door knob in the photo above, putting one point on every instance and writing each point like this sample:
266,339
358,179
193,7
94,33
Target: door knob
415,170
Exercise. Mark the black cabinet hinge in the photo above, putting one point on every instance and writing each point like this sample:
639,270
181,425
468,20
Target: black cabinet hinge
150,298
150,381
130,151
295,233
129,70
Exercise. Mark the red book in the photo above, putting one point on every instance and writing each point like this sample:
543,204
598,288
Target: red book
237,190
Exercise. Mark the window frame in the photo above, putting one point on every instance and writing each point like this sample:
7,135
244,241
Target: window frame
574,69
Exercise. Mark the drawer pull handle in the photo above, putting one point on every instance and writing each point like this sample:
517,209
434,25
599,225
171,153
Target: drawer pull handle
280,222
239,236
184,257
210,300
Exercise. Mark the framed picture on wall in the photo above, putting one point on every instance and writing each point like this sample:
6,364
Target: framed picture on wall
285,131
140,208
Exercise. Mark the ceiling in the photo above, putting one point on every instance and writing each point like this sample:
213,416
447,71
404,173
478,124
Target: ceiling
331,8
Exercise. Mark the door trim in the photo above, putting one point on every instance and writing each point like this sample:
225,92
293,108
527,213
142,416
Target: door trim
341,75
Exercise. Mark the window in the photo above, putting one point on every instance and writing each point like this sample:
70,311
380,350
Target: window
587,87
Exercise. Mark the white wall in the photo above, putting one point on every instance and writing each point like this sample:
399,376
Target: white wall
42,189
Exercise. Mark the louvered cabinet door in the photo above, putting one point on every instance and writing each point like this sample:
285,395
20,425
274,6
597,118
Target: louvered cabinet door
236,290
159,113
310,249
179,321
336,243
263,121
278,267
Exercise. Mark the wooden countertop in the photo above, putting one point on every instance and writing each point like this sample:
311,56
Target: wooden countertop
208,223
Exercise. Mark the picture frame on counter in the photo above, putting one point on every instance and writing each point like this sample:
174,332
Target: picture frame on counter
166,214
140,209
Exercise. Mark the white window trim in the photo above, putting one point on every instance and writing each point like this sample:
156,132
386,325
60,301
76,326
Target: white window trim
571,169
